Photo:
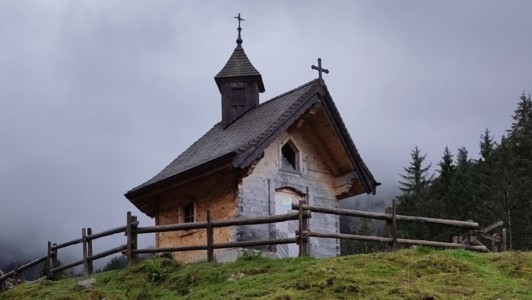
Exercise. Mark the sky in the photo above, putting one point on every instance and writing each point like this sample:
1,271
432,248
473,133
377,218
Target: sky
98,96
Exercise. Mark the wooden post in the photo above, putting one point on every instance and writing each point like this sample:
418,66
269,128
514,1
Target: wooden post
134,237
129,243
85,259
210,238
495,242
503,240
469,234
394,226
302,240
388,211
89,250
15,266
49,261
3,286
55,262
55,254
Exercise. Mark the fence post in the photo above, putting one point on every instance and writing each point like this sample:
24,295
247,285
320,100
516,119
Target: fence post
503,240
55,253
302,240
16,274
469,234
394,226
134,237
495,246
89,249
3,285
210,238
49,261
131,238
388,211
391,226
85,260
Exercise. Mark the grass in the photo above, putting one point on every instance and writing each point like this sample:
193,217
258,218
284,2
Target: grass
407,274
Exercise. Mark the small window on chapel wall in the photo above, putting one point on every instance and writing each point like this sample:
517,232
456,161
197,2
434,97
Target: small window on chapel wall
289,157
189,213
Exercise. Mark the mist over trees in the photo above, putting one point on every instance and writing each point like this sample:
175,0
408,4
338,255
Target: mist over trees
497,186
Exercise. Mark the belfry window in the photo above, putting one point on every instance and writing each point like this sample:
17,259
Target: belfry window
238,97
289,157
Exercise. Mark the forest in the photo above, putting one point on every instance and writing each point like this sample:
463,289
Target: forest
495,187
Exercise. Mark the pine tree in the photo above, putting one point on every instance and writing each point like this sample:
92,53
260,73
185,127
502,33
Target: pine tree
414,199
440,192
416,181
461,196
519,163
486,144
522,124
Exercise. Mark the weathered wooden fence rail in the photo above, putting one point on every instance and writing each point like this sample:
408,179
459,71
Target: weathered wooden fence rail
131,231
209,225
391,218
303,212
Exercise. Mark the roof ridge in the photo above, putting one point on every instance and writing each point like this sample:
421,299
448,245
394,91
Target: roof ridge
290,91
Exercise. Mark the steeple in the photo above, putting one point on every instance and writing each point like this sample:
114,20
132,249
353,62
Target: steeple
239,83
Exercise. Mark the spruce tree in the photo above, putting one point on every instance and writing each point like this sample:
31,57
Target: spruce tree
486,144
440,192
414,199
519,210
461,197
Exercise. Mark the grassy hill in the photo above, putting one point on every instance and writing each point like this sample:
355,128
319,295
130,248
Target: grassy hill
407,274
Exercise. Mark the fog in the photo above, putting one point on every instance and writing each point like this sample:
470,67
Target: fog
98,96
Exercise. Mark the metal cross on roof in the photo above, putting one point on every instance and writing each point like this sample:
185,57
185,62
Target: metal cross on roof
239,40
320,69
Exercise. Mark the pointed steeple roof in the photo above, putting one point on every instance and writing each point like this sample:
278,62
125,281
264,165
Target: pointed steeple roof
238,66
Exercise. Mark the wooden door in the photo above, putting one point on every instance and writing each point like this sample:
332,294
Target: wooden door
283,204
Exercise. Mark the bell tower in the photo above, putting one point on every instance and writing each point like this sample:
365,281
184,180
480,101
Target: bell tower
239,83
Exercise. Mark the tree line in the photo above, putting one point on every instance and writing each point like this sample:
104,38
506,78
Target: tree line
497,186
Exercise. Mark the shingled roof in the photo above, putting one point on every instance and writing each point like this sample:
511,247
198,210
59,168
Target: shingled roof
239,65
245,139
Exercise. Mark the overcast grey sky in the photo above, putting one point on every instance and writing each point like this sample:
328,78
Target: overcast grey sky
98,96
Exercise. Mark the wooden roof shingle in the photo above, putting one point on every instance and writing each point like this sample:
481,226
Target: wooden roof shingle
239,66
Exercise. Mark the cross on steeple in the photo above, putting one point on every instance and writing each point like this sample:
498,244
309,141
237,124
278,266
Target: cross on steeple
320,70
239,39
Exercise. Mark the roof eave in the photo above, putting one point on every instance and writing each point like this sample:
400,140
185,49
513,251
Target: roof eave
256,78
136,193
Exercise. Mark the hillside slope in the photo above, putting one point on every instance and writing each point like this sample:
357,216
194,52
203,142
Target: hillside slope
407,274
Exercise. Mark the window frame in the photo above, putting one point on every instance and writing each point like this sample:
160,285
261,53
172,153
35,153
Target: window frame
182,216
297,158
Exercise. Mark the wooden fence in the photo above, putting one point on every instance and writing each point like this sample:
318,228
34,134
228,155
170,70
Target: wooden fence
303,212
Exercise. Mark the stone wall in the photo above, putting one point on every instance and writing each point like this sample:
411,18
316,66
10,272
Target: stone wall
314,181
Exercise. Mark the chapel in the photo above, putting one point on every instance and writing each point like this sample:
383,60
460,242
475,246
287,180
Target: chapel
257,160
